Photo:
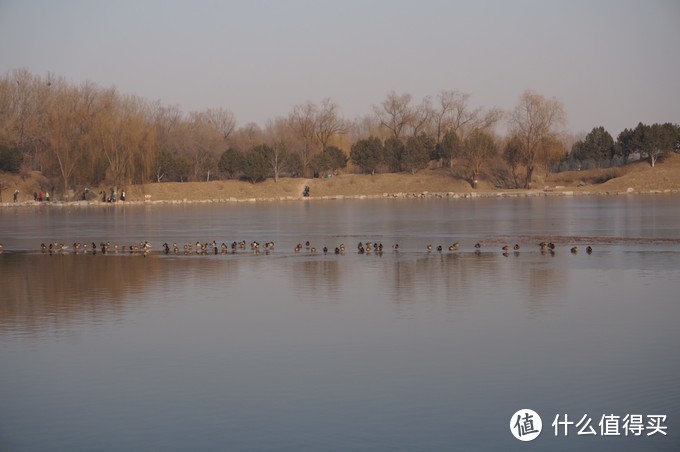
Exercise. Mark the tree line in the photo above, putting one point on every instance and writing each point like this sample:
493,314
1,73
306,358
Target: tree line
81,135
598,147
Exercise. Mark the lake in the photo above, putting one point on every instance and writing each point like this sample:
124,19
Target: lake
407,349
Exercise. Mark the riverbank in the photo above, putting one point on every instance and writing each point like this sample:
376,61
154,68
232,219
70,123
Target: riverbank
634,178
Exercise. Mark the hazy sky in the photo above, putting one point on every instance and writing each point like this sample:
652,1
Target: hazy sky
612,63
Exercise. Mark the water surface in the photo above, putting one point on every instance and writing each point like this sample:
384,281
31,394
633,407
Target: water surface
404,350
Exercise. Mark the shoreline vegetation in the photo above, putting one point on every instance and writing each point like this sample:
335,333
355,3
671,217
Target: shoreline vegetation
634,178
88,144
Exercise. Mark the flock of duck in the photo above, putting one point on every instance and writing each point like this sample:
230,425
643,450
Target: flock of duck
256,248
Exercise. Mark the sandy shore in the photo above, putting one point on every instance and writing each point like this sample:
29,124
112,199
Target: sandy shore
421,195
635,178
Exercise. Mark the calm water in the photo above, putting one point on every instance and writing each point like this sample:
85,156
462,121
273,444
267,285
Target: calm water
406,350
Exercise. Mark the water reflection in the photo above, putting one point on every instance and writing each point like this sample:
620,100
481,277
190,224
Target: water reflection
46,293
43,291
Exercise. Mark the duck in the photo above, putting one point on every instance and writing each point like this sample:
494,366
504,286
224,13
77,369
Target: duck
337,250
574,249
325,250
429,248
298,247
395,247
342,248
454,246
360,249
505,248
478,245
439,248
516,247
312,250
589,249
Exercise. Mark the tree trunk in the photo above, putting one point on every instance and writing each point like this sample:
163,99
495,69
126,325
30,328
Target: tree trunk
530,173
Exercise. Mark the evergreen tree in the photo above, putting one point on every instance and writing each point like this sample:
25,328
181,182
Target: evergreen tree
367,154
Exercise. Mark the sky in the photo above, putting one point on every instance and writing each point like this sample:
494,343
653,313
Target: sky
612,63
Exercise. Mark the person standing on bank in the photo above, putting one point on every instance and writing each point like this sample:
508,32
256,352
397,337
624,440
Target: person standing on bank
16,195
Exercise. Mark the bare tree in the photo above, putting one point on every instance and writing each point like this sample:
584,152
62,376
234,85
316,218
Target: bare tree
126,138
533,121
454,115
328,122
422,116
23,101
512,153
395,113
364,127
64,141
279,140
552,151
442,113
247,137
478,148
203,144
302,120
222,120
167,122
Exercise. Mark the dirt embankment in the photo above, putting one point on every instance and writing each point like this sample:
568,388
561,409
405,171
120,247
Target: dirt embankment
637,177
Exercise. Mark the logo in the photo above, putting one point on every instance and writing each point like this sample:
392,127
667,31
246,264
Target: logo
526,425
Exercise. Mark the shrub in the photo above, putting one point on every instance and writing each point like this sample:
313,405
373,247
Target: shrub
10,158
230,163
329,159
611,173
254,165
